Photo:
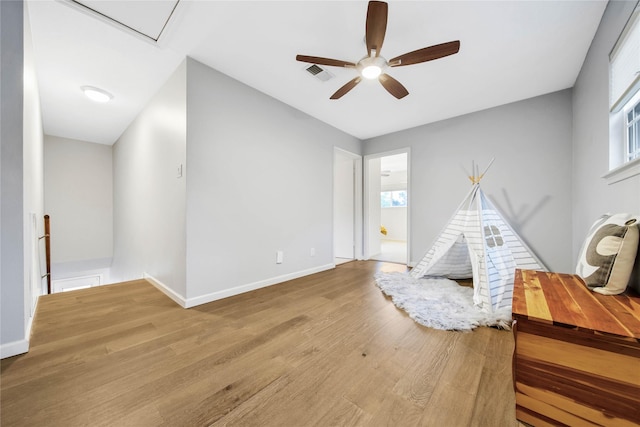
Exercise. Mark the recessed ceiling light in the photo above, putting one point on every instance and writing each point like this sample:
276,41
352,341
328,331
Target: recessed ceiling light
96,94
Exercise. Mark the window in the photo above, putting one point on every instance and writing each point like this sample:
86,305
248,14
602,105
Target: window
624,100
393,199
492,236
633,132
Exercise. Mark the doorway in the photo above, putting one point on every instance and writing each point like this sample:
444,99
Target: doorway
347,206
387,206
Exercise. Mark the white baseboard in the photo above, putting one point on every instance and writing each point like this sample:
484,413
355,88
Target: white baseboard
14,348
179,299
214,296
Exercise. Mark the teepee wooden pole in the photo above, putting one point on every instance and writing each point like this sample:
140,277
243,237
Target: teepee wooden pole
486,169
475,176
469,175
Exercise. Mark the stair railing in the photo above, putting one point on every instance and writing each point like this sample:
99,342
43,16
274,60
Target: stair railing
47,251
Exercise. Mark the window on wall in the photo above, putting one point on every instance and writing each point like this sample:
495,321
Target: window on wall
632,115
393,199
624,100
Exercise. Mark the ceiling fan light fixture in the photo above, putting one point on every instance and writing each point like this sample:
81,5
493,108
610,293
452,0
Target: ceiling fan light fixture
371,66
371,72
96,94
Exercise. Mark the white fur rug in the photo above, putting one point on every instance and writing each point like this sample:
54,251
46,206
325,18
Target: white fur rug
439,303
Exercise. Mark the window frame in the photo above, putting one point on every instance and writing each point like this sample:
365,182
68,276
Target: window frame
632,129
621,166
406,198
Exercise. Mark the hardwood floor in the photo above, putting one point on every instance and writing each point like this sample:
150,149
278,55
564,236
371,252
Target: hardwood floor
324,350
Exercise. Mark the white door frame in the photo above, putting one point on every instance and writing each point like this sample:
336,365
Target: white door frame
357,196
367,158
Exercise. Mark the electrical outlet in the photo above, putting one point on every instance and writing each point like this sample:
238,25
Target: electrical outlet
279,257
179,174
312,252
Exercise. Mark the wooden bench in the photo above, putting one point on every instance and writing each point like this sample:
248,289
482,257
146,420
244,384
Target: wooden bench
577,353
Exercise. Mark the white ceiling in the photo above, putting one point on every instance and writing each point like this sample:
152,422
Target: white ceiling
510,50
394,163
148,18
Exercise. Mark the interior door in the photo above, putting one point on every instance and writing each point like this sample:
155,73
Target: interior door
344,205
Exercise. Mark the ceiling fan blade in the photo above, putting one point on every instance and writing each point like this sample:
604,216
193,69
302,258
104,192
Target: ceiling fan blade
393,86
346,88
376,26
325,61
426,54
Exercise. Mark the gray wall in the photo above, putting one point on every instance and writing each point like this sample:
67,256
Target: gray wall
149,197
12,291
79,200
530,180
21,183
592,196
260,180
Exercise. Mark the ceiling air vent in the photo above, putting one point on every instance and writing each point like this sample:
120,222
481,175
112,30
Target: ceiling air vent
320,73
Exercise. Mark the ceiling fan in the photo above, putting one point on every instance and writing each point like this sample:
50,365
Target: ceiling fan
373,65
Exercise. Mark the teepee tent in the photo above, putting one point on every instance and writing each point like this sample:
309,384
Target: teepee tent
478,243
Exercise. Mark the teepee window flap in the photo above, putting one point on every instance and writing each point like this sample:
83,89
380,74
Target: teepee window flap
492,236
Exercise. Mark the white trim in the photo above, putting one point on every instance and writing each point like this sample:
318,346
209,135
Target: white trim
14,348
365,201
21,346
165,290
27,333
623,172
225,293
58,285
358,250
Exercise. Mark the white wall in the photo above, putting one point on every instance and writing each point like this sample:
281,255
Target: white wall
20,179
592,196
33,175
530,181
260,180
149,197
395,221
79,201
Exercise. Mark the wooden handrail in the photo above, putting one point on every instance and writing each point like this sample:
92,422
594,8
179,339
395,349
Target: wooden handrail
47,249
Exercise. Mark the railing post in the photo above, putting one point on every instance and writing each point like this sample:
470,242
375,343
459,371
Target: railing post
47,248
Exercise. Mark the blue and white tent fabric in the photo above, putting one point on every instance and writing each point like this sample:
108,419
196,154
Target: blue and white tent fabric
478,243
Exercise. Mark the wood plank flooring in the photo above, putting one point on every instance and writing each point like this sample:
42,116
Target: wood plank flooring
324,350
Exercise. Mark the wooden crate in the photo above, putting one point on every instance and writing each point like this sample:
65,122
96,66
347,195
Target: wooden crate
577,353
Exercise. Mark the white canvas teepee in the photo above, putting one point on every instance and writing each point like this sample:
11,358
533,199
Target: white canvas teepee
478,243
